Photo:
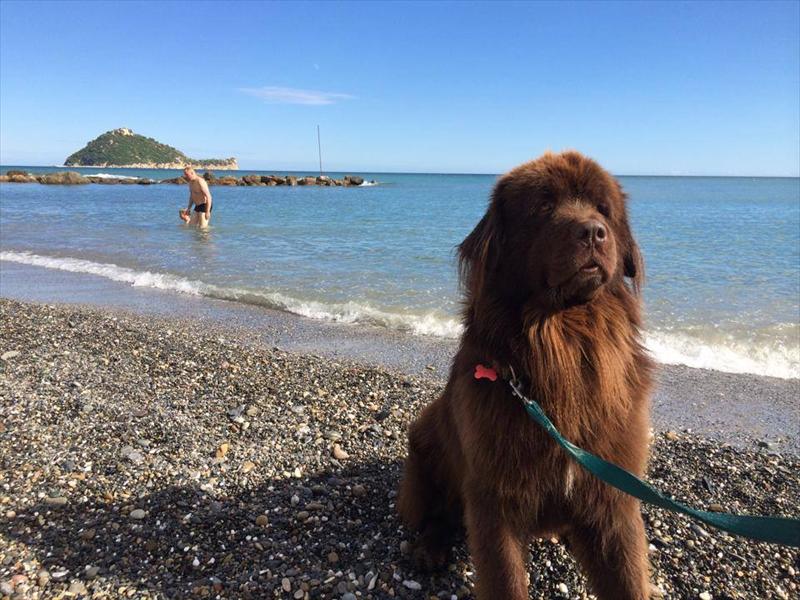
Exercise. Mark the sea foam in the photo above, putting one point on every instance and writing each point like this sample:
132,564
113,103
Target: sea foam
770,359
109,176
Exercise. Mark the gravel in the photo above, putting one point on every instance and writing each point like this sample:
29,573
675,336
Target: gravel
142,458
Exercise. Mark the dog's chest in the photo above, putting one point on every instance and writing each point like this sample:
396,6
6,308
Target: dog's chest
525,461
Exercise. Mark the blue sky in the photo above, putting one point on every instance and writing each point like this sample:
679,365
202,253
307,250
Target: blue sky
646,88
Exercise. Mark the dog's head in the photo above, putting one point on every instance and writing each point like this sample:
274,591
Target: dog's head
556,231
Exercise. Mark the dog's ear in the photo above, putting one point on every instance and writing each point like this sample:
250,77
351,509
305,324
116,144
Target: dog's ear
632,261
479,253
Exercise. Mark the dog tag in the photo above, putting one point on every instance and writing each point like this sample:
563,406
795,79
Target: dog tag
482,372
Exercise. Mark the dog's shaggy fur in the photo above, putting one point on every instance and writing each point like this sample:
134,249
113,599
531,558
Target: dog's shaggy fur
544,273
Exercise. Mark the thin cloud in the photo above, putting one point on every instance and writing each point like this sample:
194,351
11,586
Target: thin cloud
284,95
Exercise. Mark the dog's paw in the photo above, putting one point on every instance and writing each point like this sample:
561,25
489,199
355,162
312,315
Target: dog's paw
430,557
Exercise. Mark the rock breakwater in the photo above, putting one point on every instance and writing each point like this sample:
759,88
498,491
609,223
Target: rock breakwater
74,178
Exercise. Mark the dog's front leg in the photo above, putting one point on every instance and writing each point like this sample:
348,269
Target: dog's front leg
613,549
497,550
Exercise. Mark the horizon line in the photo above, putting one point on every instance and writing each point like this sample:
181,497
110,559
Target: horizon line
3,166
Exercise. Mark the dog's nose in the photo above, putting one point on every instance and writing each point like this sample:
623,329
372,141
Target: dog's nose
592,231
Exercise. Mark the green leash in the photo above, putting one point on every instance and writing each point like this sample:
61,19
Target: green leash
777,530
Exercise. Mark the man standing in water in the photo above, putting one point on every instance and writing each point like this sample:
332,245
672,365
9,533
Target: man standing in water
200,196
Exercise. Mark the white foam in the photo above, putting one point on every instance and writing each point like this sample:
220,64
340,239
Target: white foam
109,176
366,183
761,358
346,312
109,271
353,312
732,356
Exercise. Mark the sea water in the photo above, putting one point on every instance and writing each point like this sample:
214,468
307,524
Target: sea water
722,254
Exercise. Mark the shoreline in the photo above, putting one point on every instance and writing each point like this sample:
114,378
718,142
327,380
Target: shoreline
745,410
154,457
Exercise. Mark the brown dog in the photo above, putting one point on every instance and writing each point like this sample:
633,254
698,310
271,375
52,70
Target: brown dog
544,273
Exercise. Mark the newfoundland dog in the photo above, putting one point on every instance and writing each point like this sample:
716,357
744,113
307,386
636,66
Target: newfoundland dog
551,275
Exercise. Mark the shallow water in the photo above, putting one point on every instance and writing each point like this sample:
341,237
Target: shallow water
722,254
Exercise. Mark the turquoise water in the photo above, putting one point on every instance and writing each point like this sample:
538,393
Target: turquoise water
722,254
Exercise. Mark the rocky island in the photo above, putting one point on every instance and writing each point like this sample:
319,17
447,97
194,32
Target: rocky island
124,148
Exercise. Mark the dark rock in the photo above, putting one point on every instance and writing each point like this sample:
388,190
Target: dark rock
353,180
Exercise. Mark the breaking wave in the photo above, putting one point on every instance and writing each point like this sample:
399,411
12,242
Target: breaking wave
770,357
109,176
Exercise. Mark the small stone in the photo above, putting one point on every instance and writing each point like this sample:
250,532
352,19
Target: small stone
333,436
333,558
135,457
405,547
248,466
78,589
338,453
563,589
137,514
349,596
43,578
359,490
262,520
705,596
10,354
91,572
656,591
87,534
222,450
286,584
671,436
411,584
6,588
235,413
60,575
714,507
55,501
303,515
299,594
294,500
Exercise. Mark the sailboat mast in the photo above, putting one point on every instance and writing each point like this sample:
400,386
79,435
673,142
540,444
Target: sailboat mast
319,149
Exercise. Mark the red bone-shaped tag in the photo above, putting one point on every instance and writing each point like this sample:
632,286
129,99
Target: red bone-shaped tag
482,372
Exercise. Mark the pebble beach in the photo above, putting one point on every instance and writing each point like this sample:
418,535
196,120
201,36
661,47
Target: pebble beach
142,457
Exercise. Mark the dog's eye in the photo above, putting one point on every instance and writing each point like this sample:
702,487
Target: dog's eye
604,210
546,207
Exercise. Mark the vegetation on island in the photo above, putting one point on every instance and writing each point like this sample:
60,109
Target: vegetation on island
124,148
